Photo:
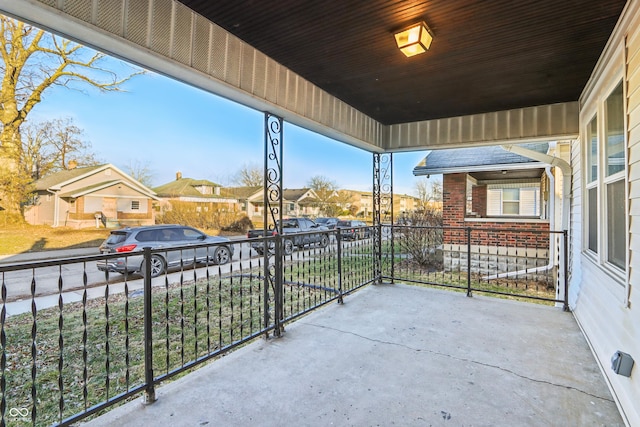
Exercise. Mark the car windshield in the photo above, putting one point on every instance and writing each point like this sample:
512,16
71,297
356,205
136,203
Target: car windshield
322,220
344,223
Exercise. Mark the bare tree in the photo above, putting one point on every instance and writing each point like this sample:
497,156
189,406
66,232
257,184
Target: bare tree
250,175
140,171
32,62
52,146
68,145
325,189
344,200
38,156
429,191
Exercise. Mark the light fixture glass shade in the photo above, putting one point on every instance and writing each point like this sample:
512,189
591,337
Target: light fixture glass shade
414,40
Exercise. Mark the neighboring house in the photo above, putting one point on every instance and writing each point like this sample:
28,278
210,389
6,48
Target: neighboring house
404,204
300,202
244,197
205,195
363,201
295,202
491,189
81,197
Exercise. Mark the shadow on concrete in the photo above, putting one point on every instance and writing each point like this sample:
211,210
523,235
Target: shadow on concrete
397,355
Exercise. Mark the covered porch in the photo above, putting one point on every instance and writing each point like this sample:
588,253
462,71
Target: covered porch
397,355
497,74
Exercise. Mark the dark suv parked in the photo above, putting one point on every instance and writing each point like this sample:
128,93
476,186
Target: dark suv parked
353,229
134,239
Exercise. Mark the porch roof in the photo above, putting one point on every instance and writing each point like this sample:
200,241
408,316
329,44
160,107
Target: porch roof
89,189
496,71
392,355
478,159
64,176
485,56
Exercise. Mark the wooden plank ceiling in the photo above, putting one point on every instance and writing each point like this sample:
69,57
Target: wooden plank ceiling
486,56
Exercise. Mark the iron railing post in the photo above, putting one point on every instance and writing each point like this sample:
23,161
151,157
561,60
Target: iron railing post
339,244
393,251
469,262
266,282
150,391
565,269
278,291
272,195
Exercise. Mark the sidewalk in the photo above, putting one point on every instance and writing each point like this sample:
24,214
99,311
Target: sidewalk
42,255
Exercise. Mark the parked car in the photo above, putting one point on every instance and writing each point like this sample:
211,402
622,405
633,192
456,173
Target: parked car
353,229
330,222
295,234
134,239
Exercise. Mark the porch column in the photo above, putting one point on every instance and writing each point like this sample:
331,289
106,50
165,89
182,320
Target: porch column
382,209
272,214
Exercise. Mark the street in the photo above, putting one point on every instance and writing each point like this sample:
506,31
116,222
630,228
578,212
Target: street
50,279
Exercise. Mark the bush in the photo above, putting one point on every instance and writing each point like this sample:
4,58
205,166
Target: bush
421,238
204,216
241,225
13,219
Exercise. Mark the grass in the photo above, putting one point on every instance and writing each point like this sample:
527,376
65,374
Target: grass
102,350
99,348
20,238
518,288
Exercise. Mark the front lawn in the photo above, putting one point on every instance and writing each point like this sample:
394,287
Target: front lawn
20,238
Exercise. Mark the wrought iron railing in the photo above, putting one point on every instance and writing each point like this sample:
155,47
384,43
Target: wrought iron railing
518,263
75,341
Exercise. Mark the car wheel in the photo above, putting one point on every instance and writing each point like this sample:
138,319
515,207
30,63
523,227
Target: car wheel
158,266
222,255
324,241
287,246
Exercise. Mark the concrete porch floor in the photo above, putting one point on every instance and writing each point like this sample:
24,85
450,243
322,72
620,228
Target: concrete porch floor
397,355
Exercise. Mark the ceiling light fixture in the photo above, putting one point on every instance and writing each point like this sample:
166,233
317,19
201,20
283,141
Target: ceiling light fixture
414,39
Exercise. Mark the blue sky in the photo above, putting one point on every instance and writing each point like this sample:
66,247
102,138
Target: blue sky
170,127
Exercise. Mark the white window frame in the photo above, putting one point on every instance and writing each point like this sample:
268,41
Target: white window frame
520,186
602,182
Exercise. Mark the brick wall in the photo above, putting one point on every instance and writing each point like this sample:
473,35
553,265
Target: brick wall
533,234
454,197
479,200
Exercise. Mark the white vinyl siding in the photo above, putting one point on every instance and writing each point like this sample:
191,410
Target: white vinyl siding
603,297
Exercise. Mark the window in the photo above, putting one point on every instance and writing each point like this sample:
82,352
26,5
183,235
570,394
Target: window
511,200
606,222
135,205
592,183
615,180
190,234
